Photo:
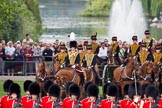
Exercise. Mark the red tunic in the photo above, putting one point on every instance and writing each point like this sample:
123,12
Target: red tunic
123,103
138,105
71,104
148,104
50,104
32,103
89,104
10,103
102,103
4,100
43,101
24,101
160,103
83,102
64,102
109,104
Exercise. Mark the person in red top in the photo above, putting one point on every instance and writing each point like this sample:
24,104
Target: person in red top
123,103
15,96
25,99
44,99
53,100
112,91
74,92
34,90
151,93
67,94
92,101
160,93
5,98
134,92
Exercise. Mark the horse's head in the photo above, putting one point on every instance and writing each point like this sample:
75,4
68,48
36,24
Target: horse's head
60,81
41,66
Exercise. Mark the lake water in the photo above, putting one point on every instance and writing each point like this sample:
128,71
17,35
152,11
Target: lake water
61,17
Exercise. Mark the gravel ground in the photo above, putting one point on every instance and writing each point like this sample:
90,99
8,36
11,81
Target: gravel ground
17,78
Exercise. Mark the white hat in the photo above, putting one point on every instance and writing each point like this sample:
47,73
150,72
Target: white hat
72,36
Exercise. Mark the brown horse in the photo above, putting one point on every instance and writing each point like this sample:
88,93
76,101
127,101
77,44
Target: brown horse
124,75
56,65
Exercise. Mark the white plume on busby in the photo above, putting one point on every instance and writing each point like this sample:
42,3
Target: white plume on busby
72,36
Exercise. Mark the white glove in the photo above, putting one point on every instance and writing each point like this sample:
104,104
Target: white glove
136,100
61,66
134,57
73,66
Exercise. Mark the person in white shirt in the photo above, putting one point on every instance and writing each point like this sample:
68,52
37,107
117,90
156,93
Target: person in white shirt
102,55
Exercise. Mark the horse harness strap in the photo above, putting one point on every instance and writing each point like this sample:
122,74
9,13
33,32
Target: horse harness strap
74,76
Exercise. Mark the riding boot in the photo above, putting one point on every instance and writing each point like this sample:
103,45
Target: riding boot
152,77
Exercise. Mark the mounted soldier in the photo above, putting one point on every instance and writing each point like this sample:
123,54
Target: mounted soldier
115,50
95,46
147,39
157,55
135,47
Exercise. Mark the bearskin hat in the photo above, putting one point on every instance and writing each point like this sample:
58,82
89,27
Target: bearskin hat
87,85
93,90
105,88
94,36
113,90
73,44
151,91
160,88
74,90
147,32
46,85
132,90
6,85
80,47
134,38
126,87
144,88
68,85
34,89
15,88
54,90
114,38
89,47
62,47
26,85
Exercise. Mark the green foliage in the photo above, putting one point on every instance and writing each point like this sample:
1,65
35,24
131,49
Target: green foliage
17,19
97,8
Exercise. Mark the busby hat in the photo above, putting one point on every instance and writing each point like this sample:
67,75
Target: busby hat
93,90
94,36
15,88
85,43
160,88
34,89
105,88
62,47
143,44
144,86
114,38
80,47
89,47
147,32
26,85
126,87
87,85
73,44
151,91
134,38
68,85
157,47
132,91
74,90
6,85
113,90
54,90
46,85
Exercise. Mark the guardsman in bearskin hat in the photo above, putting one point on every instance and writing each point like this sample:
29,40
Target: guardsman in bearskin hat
160,96
15,96
54,94
143,54
151,94
123,103
95,46
115,49
147,39
62,55
5,98
44,99
85,100
157,55
143,96
25,99
135,47
34,90
67,94
134,92
89,61
113,93
73,58
74,92
93,92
